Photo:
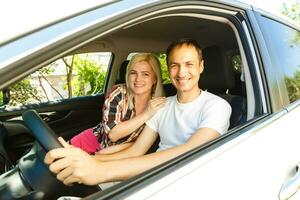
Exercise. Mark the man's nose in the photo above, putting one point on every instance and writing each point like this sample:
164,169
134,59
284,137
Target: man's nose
181,71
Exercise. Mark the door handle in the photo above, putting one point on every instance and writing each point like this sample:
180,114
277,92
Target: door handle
291,186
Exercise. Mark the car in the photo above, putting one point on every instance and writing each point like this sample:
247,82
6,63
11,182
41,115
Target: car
251,60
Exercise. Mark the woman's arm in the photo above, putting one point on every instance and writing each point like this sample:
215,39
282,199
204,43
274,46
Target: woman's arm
115,148
138,148
122,129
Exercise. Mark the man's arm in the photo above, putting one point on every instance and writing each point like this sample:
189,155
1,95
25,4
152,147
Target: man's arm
82,168
138,148
127,168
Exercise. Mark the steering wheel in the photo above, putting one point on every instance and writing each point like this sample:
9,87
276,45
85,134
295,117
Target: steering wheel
32,170
40,130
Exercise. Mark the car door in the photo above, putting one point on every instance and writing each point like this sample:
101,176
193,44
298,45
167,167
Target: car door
253,160
258,160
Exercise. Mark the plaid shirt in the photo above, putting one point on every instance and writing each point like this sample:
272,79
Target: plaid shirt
115,110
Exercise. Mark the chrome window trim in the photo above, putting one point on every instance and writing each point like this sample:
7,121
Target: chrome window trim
256,67
246,74
293,105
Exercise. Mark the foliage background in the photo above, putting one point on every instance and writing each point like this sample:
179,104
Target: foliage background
293,82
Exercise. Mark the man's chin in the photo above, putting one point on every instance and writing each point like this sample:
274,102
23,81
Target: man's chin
182,89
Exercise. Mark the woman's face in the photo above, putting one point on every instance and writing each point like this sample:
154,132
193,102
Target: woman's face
141,78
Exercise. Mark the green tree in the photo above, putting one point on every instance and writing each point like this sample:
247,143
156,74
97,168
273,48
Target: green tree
90,76
1,98
84,77
69,63
293,11
293,86
236,62
164,68
293,82
23,93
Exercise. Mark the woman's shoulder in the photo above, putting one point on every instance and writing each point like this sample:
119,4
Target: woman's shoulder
119,88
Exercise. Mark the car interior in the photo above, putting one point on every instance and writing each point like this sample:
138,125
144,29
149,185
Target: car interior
222,76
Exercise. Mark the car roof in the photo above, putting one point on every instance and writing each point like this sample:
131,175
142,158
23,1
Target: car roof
21,17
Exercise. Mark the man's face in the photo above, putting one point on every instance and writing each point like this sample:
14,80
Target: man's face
185,69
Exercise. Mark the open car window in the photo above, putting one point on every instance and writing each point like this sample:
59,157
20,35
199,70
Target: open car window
71,76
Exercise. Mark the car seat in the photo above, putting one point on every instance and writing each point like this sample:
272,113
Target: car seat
218,77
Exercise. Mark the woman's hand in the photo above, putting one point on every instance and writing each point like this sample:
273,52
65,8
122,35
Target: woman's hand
154,105
124,128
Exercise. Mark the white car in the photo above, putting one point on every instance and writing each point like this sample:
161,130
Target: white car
251,60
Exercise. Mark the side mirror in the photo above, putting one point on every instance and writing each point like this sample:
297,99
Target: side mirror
5,97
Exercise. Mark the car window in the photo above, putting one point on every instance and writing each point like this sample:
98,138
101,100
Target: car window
284,43
68,77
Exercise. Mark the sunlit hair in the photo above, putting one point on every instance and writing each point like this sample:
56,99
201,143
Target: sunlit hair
157,89
182,42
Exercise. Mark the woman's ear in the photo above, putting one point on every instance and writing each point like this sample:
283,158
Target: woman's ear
154,86
155,79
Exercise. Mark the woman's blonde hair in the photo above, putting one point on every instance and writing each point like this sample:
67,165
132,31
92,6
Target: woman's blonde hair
151,59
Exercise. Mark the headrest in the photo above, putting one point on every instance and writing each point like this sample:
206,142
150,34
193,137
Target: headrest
122,72
217,75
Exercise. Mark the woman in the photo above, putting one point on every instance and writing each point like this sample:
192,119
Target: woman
126,108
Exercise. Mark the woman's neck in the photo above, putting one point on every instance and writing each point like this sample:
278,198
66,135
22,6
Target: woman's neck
141,102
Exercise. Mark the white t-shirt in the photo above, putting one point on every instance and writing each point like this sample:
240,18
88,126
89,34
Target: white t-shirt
176,122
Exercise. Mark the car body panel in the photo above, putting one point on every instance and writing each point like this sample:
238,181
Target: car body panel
252,161
252,164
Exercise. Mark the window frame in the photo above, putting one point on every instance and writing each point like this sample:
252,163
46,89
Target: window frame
145,179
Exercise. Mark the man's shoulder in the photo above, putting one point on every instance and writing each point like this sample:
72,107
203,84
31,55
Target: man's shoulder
213,99
168,105
171,98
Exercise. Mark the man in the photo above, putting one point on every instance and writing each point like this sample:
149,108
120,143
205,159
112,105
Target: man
191,118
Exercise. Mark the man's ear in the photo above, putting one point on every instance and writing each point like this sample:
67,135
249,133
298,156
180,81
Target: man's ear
201,66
